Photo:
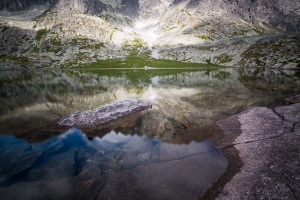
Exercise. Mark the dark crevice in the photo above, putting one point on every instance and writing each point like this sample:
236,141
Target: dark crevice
103,186
278,114
293,128
251,141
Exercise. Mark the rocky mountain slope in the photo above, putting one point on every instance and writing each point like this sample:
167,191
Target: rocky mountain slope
52,33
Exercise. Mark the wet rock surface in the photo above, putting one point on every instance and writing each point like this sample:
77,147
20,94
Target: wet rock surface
267,144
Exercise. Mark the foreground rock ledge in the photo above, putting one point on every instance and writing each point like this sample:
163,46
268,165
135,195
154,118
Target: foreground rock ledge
105,114
262,147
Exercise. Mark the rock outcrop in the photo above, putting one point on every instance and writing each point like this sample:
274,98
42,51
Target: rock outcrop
267,143
105,114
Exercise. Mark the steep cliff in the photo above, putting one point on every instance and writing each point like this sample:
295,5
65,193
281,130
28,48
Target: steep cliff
226,32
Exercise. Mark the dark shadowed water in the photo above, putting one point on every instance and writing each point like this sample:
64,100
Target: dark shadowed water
167,152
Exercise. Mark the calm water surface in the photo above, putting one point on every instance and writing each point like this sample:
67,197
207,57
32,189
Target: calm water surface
167,152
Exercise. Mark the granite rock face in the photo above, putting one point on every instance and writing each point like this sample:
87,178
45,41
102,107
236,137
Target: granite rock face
105,114
267,143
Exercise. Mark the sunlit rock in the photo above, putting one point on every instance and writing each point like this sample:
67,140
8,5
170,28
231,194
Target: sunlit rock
105,114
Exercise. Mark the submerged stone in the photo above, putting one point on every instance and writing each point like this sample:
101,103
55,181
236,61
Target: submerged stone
105,114
15,163
54,167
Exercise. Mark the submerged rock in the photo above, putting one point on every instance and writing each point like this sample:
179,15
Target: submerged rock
15,163
105,114
54,167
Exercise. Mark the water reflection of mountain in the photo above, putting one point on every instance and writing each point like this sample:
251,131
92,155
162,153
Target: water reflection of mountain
184,101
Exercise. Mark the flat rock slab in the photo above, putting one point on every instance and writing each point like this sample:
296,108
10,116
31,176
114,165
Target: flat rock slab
269,151
105,114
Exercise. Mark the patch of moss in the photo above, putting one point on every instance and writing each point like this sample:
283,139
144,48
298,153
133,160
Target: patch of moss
107,17
111,35
40,33
171,28
56,42
138,42
231,23
204,37
18,59
208,61
224,58
259,32
5,28
36,49
243,32
211,31
99,45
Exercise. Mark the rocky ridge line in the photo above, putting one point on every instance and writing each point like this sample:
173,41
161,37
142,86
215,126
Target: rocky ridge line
71,33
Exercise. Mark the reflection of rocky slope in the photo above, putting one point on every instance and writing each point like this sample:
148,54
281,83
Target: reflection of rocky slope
183,102
74,32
